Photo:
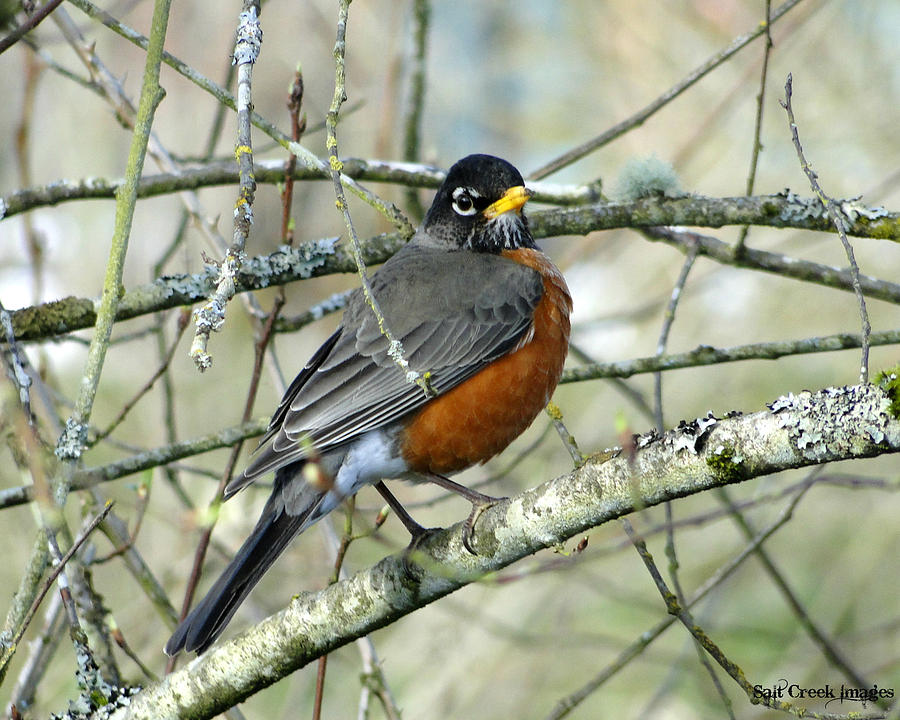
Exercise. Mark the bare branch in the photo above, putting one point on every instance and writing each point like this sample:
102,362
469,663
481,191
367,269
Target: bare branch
837,217
642,115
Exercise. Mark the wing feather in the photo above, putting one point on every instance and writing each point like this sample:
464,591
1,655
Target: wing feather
453,312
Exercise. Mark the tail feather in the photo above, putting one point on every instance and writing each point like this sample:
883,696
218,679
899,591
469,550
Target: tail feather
275,529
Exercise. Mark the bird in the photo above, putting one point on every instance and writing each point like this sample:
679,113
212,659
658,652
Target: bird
481,313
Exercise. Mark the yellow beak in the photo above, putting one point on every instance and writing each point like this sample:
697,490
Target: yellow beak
513,199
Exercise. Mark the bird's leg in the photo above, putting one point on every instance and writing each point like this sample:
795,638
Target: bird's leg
480,503
415,530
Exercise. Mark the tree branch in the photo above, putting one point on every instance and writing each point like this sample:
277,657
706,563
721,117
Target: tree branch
210,317
322,257
796,431
703,355
642,115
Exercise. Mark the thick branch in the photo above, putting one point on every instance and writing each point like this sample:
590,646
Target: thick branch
322,257
797,431
781,211
283,266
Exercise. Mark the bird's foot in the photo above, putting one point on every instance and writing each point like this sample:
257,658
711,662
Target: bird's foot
479,505
418,536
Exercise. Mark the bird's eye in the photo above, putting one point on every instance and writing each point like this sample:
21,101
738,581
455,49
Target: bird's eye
464,201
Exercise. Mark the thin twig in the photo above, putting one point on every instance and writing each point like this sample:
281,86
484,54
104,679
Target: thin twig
211,316
116,531
706,355
831,652
265,337
782,265
642,115
208,172
662,342
668,321
40,652
298,126
373,677
336,574
30,24
395,349
757,126
415,104
331,304
58,567
840,224
674,567
29,584
568,439
570,702
160,371
682,614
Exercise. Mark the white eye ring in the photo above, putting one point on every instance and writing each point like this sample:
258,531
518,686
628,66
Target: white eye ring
464,201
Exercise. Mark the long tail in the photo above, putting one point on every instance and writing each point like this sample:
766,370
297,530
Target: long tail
275,529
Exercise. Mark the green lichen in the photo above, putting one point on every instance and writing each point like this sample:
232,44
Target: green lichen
726,465
53,317
884,228
646,177
889,380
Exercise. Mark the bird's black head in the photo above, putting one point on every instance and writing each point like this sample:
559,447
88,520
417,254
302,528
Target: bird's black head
479,207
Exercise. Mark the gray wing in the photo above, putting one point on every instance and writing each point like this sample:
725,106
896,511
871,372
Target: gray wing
453,313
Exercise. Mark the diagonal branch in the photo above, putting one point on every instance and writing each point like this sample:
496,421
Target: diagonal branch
840,224
796,431
643,114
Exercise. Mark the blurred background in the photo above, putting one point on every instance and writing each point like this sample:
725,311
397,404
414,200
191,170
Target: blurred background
526,81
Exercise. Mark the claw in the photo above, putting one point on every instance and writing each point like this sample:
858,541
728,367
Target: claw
468,535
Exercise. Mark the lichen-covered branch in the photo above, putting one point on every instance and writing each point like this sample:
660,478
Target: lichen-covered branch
795,431
271,172
282,266
211,315
783,210
707,355
784,266
157,457
323,257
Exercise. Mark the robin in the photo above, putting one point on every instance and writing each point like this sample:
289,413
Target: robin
478,307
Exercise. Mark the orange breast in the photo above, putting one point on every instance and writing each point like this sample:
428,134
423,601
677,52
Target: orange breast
480,417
